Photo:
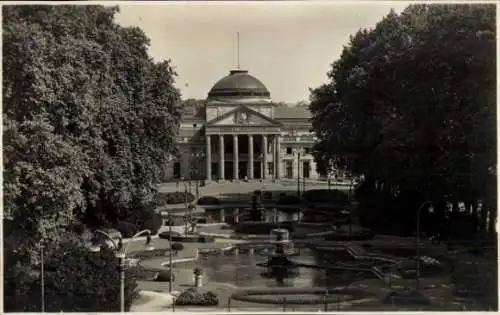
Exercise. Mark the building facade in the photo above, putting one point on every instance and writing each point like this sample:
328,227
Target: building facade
242,135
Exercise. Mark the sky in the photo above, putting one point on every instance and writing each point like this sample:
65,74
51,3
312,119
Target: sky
289,46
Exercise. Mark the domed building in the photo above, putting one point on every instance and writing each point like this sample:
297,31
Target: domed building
243,135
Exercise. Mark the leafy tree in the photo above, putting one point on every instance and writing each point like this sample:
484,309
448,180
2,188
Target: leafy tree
77,280
89,121
411,105
193,107
103,113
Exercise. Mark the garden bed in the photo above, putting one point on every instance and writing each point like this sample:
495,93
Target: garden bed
300,295
193,238
173,198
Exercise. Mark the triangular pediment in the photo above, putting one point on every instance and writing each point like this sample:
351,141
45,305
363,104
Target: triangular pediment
243,116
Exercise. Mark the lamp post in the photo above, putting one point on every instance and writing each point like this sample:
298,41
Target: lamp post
428,202
186,207
170,258
122,256
298,173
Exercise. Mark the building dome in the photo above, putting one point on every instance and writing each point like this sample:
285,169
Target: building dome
239,84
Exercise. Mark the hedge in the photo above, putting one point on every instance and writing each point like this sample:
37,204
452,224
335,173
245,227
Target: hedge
193,238
289,200
174,197
166,235
192,297
208,201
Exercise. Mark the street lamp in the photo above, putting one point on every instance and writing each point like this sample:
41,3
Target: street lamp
298,172
122,256
428,202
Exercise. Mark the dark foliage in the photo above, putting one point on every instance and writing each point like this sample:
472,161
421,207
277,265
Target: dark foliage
167,235
176,247
208,201
192,297
174,197
164,276
289,200
76,280
326,196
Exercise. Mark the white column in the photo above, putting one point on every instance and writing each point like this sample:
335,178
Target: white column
264,153
209,158
250,156
221,157
235,157
277,164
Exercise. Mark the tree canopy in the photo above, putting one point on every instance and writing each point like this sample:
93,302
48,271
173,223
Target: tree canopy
89,121
411,103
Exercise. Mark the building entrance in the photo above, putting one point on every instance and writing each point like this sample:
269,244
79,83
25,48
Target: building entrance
306,169
242,170
228,170
257,170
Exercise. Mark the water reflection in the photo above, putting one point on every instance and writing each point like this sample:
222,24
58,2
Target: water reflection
242,271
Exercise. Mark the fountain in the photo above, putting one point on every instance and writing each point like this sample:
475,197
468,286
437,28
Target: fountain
279,265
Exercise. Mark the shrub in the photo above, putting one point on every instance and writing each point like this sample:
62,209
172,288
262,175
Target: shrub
145,254
127,229
201,220
208,201
166,235
176,247
174,197
164,276
193,297
139,217
206,239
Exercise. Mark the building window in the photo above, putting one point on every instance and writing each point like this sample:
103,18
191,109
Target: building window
289,169
194,125
288,150
270,168
307,150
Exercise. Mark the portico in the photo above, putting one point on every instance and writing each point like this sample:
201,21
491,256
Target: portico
237,156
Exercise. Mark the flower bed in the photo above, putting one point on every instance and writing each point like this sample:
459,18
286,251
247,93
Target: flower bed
263,228
296,295
192,297
146,254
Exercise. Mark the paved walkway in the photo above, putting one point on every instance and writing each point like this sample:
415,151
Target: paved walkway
156,302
